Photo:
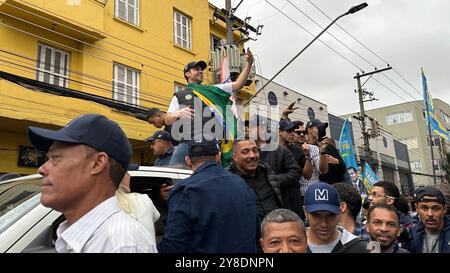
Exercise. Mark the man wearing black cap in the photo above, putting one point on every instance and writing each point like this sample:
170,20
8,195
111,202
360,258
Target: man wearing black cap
196,96
87,160
162,147
213,210
432,233
286,138
336,166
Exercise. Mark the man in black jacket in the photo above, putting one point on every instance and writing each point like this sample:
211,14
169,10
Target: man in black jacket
256,174
286,138
285,168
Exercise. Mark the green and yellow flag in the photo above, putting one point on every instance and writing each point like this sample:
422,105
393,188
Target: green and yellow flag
219,101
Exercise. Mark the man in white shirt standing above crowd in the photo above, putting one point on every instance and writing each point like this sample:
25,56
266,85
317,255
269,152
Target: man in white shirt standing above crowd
87,160
193,73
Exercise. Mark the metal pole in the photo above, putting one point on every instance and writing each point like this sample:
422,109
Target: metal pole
229,21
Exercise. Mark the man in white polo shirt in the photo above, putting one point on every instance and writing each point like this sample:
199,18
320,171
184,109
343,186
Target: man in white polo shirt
87,160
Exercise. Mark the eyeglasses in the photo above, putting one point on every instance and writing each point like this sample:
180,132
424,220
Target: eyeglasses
374,194
301,132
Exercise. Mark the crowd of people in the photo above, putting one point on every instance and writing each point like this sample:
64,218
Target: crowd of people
296,197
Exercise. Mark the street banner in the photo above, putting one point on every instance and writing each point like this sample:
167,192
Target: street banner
369,177
346,147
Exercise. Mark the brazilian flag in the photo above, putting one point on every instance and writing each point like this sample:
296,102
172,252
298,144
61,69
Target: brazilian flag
219,100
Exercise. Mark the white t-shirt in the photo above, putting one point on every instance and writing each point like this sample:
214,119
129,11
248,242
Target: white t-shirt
431,243
175,106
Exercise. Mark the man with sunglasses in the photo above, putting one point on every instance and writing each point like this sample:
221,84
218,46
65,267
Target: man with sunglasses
300,133
432,234
286,138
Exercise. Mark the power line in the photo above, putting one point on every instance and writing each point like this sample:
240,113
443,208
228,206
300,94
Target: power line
332,49
88,34
101,81
342,43
162,100
363,45
94,46
101,89
55,114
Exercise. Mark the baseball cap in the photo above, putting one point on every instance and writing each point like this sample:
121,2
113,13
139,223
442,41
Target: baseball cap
193,64
285,125
429,191
202,147
317,123
322,196
94,130
164,135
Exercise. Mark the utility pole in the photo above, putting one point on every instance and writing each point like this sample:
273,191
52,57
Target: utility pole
361,94
229,21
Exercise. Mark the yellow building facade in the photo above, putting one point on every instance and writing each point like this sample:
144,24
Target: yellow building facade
129,51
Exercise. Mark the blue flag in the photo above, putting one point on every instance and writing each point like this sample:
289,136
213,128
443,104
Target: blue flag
435,125
346,148
369,177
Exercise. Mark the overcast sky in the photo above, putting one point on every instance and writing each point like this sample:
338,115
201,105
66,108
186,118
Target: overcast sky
408,34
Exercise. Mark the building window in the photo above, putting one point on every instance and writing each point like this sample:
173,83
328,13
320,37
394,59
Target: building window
411,142
52,66
178,87
126,84
273,100
128,10
399,117
445,117
416,166
215,42
311,114
182,30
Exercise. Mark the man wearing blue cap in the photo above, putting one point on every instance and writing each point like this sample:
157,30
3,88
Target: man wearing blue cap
87,160
161,144
322,209
213,211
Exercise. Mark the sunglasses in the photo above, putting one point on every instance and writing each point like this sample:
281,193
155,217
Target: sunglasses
301,132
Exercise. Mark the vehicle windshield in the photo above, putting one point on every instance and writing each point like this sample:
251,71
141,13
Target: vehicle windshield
17,198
